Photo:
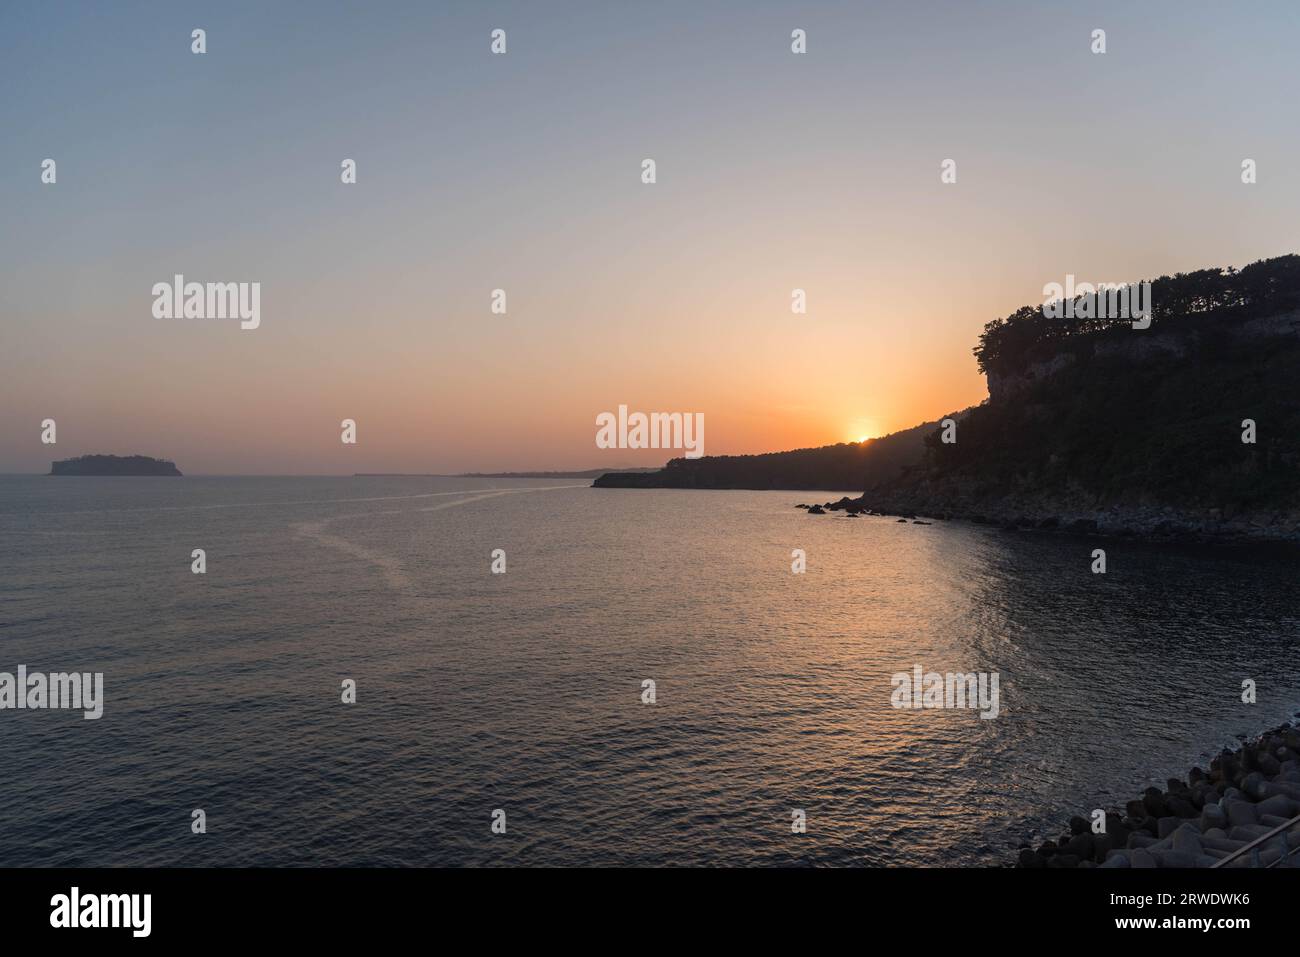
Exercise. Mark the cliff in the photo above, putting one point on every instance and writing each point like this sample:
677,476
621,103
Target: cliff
114,465
1117,430
1189,428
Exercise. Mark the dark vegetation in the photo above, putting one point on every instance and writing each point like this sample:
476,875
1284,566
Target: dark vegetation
1229,295
843,467
1162,430
1134,425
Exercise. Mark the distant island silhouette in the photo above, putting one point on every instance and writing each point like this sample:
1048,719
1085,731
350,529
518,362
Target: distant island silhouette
1187,429
114,465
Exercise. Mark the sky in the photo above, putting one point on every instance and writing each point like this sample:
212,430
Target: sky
522,172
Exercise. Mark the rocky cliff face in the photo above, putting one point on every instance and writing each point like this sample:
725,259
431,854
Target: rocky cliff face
1144,346
1192,431
1005,387
1187,429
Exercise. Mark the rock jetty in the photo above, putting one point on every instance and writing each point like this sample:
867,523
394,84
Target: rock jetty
1239,810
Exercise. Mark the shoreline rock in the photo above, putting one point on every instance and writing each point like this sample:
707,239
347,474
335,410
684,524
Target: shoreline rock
1140,523
1145,523
1198,821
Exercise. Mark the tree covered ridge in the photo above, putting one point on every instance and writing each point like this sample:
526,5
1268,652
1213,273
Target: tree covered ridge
843,467
1265,287
1161,427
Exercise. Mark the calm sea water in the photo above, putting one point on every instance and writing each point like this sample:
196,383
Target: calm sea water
523,691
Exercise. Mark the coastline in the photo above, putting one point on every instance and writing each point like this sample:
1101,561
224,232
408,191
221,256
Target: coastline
1221,525
1242,811
1144,523
1245,810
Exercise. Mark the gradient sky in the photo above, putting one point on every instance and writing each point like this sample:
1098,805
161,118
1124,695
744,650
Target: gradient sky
522,172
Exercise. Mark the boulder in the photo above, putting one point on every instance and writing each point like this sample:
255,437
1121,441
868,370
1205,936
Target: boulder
1253,784
1212,816
1187,840
1154,802
1103,845
1248,832
1242,813
1140,858
1219,841
1291,790
1081,846
1119,833
1279,805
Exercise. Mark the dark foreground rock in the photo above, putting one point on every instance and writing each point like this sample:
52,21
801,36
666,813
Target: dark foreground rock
1197,822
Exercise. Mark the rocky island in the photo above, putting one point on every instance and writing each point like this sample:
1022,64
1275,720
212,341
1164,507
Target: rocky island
114,465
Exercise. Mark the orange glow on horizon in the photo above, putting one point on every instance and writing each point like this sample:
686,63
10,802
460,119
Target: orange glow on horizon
862,430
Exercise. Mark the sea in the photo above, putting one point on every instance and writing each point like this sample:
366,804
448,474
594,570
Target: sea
505,718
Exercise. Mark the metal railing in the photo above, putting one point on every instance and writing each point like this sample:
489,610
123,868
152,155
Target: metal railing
1254,845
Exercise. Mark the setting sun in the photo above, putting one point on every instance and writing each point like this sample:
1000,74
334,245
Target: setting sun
861,430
